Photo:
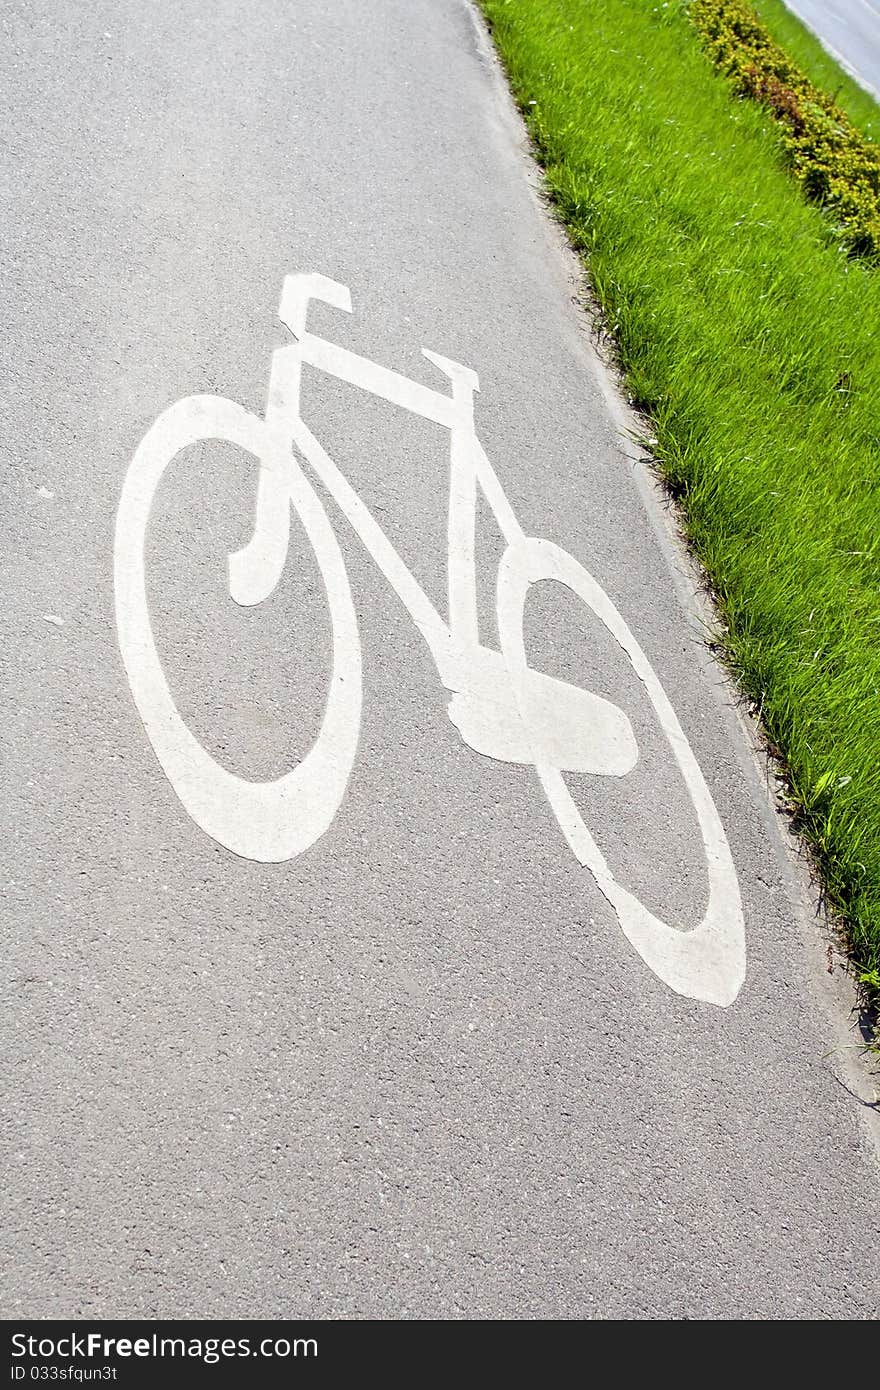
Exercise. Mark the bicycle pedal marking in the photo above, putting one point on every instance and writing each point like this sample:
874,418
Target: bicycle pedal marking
501,707
569,728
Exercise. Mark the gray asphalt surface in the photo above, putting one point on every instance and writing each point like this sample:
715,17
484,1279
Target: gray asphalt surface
417,1071
850,30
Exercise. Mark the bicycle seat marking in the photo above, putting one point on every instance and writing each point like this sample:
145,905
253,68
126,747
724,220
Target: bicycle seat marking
501,707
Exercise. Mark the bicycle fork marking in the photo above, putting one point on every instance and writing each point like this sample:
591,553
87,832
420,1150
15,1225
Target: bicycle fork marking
500,706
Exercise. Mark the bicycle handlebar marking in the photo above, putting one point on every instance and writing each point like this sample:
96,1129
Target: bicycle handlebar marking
501,707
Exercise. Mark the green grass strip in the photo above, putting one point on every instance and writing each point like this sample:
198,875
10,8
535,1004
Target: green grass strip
751,341
833,162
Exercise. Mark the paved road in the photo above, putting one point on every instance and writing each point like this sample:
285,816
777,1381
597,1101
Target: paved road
850,30
417,1070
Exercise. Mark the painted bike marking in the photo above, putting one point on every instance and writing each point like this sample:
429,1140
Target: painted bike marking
501,707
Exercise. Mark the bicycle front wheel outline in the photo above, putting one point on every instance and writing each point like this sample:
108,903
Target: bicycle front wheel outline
267,821
707,962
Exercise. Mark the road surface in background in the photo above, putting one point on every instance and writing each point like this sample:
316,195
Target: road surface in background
850,31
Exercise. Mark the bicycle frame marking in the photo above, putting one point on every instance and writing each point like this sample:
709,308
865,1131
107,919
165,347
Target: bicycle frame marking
501,707
475,673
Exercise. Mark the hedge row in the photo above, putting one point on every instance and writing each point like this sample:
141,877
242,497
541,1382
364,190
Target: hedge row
834,163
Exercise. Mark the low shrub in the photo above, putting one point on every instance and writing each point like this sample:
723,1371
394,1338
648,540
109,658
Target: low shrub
834,163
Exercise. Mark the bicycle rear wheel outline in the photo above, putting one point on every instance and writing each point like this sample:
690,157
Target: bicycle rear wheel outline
707,962
269,821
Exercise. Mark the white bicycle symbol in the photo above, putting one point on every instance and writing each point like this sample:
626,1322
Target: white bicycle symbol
500,706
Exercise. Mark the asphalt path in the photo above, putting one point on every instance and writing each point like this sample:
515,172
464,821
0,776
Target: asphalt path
850,31
417,1070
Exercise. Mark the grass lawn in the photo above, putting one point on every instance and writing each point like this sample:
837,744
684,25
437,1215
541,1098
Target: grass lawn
752,344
